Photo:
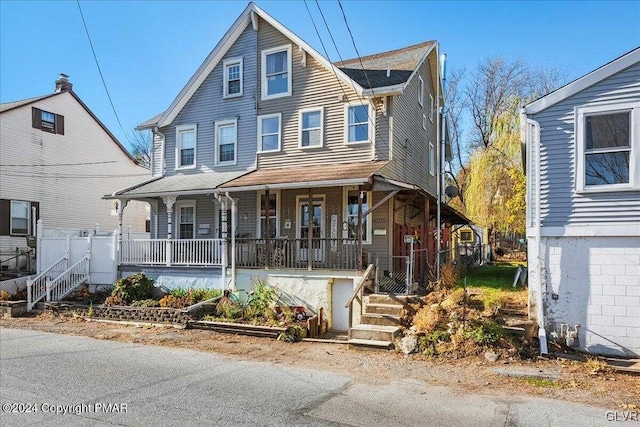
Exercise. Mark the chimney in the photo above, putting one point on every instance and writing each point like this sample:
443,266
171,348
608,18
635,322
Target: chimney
63,84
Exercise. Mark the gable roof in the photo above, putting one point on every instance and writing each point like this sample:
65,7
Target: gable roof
596,76
401,63
249,15
8,106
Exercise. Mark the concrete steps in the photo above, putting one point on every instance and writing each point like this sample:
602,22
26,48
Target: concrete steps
380,319
374,332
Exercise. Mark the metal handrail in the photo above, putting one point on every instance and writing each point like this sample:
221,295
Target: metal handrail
16,256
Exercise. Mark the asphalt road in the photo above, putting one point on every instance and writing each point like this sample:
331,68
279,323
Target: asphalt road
62,380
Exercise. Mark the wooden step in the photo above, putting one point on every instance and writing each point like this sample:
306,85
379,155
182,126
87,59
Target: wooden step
374,332
370,344
237,328
380,319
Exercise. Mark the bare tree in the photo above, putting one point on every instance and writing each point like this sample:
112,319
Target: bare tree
455,106
141,146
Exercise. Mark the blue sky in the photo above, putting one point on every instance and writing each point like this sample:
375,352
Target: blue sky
149,49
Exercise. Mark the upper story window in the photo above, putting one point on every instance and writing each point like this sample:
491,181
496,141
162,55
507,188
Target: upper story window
432,160
351,203
20,216
276,72
420,91
431,108
232,77
607,141
357,121
186,138
47,121
269,132
311,128
226,142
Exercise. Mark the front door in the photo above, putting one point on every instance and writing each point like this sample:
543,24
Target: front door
315,214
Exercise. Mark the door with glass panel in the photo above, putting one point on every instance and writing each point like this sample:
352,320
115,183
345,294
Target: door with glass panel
315,215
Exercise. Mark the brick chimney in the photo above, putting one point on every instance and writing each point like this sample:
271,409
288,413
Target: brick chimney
63,84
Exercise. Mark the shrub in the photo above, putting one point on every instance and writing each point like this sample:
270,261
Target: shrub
113,300
171,301
427,319
5,296
146,303
264,296
133,288
202,294
229,309
449,276
487,333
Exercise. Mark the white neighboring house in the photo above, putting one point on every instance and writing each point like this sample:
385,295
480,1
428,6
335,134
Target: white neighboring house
583,198
57,160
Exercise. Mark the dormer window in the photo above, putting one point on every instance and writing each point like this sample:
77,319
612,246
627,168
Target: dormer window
276,72
232,77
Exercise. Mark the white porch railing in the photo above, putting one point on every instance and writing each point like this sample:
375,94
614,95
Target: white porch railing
204,252
37,288
70,279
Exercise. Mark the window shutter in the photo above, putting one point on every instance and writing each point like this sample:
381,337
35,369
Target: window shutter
59,124
5,217
36,118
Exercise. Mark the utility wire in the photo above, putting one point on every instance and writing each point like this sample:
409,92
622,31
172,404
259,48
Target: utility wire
100,71
65,176
61,164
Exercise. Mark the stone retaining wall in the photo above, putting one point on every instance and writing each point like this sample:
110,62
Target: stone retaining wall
133,314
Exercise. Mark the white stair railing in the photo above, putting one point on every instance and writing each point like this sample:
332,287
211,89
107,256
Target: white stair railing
70,279
37,287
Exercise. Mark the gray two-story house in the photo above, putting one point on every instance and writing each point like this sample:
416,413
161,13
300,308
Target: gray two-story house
273,161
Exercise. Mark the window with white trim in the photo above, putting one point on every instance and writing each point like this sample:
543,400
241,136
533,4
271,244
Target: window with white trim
432,159
431,108
20,216
311,128
276,72
271,212
186,213
357,123
226,142
351,214
232,77
186,138
607,139
424,122
420,91
269,133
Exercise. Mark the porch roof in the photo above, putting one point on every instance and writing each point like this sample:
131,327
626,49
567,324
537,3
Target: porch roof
306,176
182,184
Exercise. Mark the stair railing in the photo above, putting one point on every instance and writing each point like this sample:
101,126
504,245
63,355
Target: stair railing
357,293
37,287
70,279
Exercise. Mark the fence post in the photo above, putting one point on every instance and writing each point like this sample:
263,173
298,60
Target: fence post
38,246
89,250
29,290
67,252
129,232
48,285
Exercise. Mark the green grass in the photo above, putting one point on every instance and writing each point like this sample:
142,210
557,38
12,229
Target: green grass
494,276
540,382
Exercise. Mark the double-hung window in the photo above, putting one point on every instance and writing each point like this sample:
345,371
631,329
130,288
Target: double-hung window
432,160
47,121
232,77
431,108
420,91
20,218
351,215
357,123
186,138
269,133
276,72
607,139
186,220
311,128
226,142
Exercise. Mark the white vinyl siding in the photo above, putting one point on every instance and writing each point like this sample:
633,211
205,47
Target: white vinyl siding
269,133
233,81
311,128
226,142
276,72
186,143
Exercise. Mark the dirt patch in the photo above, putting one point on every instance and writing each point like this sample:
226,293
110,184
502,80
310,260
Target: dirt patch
576,382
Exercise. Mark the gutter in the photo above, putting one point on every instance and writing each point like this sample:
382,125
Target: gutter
305,184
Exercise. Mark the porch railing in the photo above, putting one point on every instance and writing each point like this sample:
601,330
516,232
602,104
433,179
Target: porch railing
340,254
202,252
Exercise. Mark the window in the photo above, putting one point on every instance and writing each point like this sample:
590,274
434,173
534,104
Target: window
186,137
351,204
269,133
424,122
232,77
226,142
431,108
20,218
311,128
357,123
466,236
607,139
186,220
47,121
271,213
420,91
432,160
276,72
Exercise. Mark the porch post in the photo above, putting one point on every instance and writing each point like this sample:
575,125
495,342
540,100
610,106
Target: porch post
121,204
360,229
169,201
223,234
310,230
265,227
39,227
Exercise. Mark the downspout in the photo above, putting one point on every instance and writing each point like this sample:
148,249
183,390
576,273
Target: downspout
440,153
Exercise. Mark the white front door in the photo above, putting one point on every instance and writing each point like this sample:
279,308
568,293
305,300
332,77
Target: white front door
315,214
340,293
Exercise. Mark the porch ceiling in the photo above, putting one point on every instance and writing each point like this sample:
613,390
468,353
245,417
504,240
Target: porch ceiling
306,176
196,183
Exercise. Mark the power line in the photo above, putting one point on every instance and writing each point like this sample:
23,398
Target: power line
60,164
66,176
100,71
